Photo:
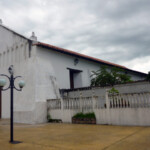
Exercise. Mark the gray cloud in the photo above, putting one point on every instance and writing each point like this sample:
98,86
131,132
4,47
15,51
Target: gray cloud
116,31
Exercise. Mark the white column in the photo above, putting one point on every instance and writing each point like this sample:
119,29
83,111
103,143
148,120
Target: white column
107,106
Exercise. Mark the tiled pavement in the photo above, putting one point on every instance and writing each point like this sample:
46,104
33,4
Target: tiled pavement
74,137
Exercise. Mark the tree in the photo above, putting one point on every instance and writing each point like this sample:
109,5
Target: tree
109,77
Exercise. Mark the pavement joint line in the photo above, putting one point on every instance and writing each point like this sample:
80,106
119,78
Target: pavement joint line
105,148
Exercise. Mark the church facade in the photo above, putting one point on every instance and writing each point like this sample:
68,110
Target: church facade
46,69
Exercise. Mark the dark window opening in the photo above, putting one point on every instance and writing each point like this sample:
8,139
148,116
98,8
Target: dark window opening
75,78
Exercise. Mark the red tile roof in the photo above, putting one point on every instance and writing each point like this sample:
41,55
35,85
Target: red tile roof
62,50
69,52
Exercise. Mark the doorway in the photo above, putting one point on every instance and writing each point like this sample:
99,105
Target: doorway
75,78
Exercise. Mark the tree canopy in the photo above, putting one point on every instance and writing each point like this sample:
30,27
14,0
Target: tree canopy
109,76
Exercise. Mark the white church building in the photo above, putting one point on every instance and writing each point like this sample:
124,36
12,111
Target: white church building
46,69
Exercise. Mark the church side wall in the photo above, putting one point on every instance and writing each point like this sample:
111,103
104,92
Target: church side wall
60,62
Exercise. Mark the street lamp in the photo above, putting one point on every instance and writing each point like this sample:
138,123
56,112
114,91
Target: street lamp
11,87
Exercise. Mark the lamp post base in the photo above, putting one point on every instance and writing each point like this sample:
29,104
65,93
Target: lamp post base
15,142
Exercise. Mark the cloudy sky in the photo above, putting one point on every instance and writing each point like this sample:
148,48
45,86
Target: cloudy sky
114,30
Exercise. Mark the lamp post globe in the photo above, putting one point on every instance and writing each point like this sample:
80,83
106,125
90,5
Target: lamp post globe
2,82
21,84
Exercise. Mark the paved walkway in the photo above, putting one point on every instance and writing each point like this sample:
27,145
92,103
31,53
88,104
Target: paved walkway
75,137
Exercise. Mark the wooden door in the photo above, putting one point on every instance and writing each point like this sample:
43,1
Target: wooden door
71,80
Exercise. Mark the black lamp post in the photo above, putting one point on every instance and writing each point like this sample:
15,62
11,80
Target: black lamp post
11,87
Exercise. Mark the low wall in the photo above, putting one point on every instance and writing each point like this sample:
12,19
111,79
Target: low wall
118,109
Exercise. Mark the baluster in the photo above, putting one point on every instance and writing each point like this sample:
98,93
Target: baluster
56,104
88,103
125,101
90,100
114,101
122,100
99,102
53,104
67,103
117,101
74,103
60,104
64,103
130,100
85,103
111,100
77,102
146,99
70,103
133,100
96,99
136,100
141,100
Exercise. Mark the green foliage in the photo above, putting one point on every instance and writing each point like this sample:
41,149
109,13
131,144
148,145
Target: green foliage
82,115
113,91
89,115
148,76
109,77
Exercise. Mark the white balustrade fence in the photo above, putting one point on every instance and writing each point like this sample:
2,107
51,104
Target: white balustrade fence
133,100
129,100
117,109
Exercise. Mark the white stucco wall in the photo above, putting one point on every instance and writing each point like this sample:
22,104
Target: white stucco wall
60,62
30,104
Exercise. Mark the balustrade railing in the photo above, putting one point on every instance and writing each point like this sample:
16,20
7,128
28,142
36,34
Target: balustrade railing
83,103
130,100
